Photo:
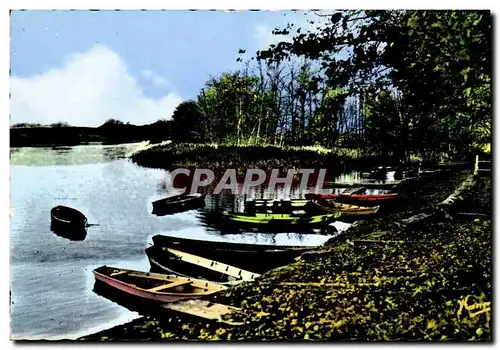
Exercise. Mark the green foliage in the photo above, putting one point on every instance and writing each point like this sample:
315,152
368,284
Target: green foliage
438,61
189,124
230,156
27,125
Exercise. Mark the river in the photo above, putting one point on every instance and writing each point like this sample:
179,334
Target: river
51,276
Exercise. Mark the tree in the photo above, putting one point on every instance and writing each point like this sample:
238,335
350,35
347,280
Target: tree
438,61
189,123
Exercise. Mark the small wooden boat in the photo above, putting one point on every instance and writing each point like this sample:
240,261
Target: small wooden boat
252,257
277,206
174,204
155,287
66,217
173,261
275,219
344,208
294,203
369,198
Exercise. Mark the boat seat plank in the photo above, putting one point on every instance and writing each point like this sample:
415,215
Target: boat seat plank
170,285
215,265
118,273
151,277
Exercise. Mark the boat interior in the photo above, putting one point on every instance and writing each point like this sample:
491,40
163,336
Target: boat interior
156,283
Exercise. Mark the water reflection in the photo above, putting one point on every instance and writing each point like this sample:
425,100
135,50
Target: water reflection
85,154
71,233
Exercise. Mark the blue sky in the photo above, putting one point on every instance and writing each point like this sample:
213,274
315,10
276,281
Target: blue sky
84,67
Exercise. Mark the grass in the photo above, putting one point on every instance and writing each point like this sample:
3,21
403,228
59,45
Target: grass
186,155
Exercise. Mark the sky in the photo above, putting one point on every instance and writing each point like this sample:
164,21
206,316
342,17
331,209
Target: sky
84,67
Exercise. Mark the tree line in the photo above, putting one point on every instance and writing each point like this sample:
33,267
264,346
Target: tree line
393,83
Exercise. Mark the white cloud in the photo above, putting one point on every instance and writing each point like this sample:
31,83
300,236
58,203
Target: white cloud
156,79
88,89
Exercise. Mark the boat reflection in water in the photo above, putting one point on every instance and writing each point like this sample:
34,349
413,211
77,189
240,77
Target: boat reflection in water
144,307
71,233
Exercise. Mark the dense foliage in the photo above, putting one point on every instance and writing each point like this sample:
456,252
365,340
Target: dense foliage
213,156
397,82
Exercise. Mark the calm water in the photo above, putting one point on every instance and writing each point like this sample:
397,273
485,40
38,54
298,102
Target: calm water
51,277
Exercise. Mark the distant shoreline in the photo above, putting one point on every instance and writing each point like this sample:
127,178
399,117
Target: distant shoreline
110,133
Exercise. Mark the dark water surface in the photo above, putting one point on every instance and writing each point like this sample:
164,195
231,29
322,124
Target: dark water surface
51,276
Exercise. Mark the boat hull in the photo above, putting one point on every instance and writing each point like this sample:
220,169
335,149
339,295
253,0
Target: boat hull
346,209
252,257
176,204
133,290
163,261
281,220
366,199
67,217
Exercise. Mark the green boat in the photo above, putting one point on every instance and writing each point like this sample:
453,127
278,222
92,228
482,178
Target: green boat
293,203
280,220
277,206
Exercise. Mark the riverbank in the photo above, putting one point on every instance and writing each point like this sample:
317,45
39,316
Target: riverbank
382,280
212,156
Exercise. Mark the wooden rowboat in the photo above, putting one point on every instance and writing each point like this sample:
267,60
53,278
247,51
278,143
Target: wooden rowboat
67,217
368,198
284,206
252,257
155,287
344,208
173,261
269,203
175,204
280,220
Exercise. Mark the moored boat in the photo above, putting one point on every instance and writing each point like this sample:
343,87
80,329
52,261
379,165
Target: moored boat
62,216
174,204
294,203
258,258
172,261
276,219
344,208
368,198
284,206
154,286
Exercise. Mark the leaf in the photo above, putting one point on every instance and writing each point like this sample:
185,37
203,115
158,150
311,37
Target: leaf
336,17
476,22
431,324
